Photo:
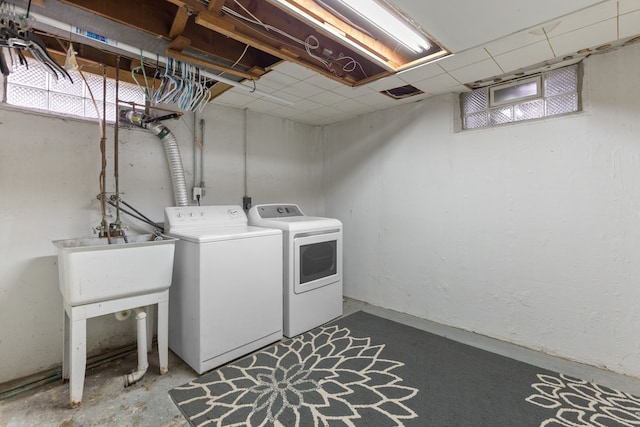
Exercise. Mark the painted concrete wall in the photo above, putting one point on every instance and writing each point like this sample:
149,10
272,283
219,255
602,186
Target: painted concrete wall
48,185
529,233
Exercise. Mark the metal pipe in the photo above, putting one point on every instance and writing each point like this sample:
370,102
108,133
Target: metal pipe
202,153
196,144
245,144
103,149
116,167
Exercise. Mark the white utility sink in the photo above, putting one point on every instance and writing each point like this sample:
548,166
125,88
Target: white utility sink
92,270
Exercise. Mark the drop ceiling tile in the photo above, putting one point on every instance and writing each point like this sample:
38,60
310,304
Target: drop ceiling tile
262,105
307,105
285,111
478,71
514,41
340,118
276,80
323,82
386,83
626,6
352,92
420,73
321,121
525,56
462,24
294,70
464,59
325,112
286,96
587,37
302,89
235,98
415,98
376,100
348,105
437,85
629,24
583,18
309,119
327,98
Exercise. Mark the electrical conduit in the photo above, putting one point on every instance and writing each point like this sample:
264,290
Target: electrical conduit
171,150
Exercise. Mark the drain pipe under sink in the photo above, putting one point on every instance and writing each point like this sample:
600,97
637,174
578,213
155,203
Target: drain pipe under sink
143,363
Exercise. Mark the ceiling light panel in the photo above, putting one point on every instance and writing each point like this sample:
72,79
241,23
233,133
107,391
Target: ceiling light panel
373,28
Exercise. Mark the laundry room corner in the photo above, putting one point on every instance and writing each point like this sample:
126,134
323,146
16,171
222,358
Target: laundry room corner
49,170
526,232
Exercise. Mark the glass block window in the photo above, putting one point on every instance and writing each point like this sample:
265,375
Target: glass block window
560,94
38,89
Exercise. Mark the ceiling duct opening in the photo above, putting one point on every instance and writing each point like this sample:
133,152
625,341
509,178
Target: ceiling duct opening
402,92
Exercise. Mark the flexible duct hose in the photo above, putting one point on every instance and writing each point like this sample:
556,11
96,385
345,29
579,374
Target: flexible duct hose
171,150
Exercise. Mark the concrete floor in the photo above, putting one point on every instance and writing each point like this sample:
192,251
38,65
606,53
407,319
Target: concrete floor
107,403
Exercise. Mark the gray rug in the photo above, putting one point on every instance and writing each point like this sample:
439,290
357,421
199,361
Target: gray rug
363,370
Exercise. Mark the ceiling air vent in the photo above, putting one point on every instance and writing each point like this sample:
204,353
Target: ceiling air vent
402,92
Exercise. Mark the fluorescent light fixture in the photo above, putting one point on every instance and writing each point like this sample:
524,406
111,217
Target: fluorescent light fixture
336,32
379,16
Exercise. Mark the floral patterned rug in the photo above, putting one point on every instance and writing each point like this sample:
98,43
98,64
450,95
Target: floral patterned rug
363,370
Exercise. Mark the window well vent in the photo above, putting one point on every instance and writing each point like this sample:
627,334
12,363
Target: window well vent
402,92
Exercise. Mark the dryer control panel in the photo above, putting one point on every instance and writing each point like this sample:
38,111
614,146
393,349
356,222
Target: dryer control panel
278,211
183,218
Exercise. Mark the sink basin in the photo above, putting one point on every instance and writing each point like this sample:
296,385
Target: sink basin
92,270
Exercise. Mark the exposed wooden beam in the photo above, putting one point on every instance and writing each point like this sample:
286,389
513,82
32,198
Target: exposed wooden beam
179,44
151,16
193,5
215,6
179,22
157,17
218,89
206,64
269,42
367,42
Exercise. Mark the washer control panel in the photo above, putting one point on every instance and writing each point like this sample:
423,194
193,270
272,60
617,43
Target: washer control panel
278,211
202,217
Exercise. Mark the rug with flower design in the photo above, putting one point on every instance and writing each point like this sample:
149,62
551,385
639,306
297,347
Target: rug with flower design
363,370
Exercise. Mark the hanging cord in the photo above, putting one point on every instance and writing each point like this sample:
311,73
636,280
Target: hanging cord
310,43
146,89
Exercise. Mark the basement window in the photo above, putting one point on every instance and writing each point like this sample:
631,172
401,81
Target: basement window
552,93
37,89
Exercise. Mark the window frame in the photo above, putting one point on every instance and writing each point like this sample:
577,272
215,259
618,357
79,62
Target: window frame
560,94
129,91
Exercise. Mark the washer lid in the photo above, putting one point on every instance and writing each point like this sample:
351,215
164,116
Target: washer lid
224,233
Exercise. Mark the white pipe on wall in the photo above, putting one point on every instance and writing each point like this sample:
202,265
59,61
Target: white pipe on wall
137,52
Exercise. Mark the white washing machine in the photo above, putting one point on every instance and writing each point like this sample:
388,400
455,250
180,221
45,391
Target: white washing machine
226,297
312,265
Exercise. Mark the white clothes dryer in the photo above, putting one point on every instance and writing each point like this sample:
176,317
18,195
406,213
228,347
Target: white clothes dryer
226,296
312,265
